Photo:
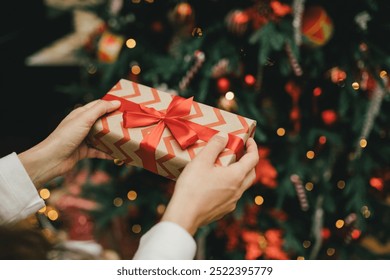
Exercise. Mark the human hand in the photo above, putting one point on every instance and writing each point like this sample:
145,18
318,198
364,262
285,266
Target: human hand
205,192
65,146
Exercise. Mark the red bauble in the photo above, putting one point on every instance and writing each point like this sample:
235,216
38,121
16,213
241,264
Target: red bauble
183,13
329,117
317,26
223,85
250,80
237,22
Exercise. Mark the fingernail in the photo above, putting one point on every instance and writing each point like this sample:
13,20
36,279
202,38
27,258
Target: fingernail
115,102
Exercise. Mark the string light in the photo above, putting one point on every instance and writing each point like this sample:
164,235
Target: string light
229,95
136,228
330,251
161,209
383,74
306,244
341,184
363,143
118,162
310,154
355,85
132,195
52,215
42,210
118,201
131,43
259,200
300,258
135,69
44,193
280,131
339,223
309,186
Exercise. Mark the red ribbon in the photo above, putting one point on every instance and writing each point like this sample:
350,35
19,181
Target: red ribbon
185,132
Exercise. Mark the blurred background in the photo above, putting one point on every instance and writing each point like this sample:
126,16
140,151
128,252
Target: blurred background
312,73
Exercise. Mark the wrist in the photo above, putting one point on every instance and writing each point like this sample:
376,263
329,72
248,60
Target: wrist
36,164
181,215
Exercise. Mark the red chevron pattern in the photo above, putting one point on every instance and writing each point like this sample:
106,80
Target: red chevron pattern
220,118
156,98
171,154
116,87
126,137
244,129
105,130
102,134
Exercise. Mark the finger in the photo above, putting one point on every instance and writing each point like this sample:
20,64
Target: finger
248,161
210,152
94,153
249,180
98,109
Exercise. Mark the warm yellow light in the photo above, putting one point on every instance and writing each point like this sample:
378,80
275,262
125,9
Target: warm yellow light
161,209
135,69
330,251
132,195
42,210
339,223
280,131
52,215
131,43
383,74
355,85
44,193
310,154
118,201
367,214
229,95
309,186
259,200
136,228
306,244
363,143
118,162
341,184
301,258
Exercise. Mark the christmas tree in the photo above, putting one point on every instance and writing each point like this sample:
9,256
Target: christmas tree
313,74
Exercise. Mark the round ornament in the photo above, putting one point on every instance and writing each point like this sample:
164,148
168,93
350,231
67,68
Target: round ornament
317,27
237,22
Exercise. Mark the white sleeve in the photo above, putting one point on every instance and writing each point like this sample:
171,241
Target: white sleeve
166,241
18,196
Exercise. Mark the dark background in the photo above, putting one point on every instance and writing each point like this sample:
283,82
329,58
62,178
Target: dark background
31,105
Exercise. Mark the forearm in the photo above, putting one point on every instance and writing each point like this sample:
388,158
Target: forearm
38,164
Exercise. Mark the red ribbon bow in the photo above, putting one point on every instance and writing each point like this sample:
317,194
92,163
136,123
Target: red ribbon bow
178,108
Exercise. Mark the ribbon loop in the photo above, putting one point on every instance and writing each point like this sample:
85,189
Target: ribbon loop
179,107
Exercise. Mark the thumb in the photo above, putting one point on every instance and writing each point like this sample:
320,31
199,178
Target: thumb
210,152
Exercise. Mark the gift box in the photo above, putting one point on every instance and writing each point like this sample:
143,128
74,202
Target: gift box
162,132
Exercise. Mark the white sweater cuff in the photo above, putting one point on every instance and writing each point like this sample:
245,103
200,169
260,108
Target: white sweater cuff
166,241
19,197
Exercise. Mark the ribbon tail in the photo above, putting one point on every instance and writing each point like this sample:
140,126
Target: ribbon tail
147,149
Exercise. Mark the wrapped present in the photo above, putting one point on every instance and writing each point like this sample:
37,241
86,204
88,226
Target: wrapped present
162,132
